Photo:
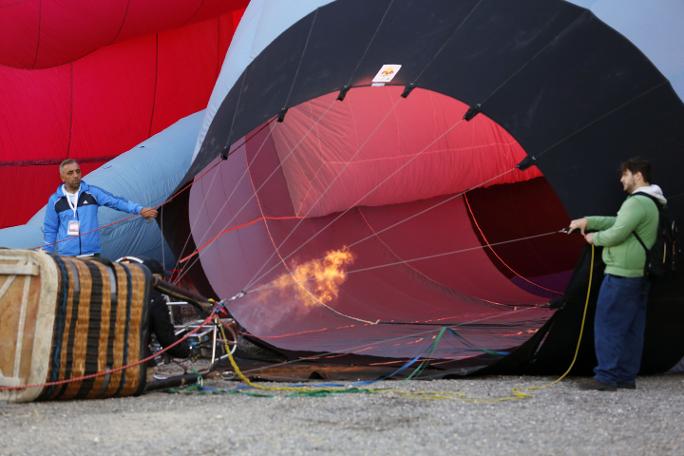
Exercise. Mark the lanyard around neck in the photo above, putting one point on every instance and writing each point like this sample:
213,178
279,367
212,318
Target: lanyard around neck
73,205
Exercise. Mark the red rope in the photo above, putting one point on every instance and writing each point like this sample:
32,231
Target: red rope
132,217
263,218
116,222
111,371
203,173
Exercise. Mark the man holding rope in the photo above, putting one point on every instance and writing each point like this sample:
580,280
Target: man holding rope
71,226
621,305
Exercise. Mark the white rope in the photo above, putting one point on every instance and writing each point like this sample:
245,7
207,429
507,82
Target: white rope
273,173
192,225
187,267
429,208
256,275
416,259
341,214
451,252
211,184
424,275
350,349
370,42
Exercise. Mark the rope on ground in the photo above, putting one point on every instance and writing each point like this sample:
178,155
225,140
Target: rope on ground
298,390
517,393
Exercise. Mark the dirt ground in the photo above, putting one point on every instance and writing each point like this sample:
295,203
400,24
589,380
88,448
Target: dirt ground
398,417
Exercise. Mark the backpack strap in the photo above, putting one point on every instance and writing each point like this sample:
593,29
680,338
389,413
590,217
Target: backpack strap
640,241
658,205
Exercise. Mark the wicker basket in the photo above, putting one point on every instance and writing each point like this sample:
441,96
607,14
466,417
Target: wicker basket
62,318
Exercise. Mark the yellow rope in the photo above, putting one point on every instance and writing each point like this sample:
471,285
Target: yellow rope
516,393
581,331
290,389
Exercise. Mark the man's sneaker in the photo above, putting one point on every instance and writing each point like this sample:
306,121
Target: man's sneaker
596,385
627,385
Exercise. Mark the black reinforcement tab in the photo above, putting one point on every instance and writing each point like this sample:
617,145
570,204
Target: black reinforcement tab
407,90
343,92
528,161
472,112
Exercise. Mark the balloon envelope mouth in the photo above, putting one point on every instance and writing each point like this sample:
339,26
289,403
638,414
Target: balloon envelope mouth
350,224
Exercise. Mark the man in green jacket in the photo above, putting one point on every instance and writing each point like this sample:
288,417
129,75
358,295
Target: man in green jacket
621,306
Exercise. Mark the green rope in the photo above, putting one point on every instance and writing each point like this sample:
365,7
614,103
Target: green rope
421,367
196,389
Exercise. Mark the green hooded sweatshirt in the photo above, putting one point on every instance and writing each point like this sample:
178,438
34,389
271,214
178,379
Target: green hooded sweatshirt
623,254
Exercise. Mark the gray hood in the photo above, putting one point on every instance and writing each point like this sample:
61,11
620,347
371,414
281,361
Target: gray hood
653,190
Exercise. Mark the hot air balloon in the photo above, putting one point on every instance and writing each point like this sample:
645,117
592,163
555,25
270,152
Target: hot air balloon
148,174
372,178
90,80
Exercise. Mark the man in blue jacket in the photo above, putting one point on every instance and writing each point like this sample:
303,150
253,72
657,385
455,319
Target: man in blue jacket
71,227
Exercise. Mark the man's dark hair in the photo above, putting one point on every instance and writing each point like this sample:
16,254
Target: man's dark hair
637,165
68,161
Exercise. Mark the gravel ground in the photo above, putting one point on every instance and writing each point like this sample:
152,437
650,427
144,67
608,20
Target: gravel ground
558,420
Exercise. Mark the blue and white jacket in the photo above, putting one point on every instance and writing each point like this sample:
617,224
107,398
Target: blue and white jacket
58,214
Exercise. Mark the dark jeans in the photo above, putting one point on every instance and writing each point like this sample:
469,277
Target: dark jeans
619,328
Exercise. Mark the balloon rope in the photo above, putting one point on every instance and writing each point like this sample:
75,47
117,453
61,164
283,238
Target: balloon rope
601,117
422,258
365,346
182,271
370,43
451,252
277,248
503,262
230,133
301,59
259,275
433,206
227,146
287,156
200,176
446,42
217,163
421,273
192,225
225,227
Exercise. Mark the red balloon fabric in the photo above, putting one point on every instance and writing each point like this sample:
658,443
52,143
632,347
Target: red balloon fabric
67,91
377,151
47,33
348,228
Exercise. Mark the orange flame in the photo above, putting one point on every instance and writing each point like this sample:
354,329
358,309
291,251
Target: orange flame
317,281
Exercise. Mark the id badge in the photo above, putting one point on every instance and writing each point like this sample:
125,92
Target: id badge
72,228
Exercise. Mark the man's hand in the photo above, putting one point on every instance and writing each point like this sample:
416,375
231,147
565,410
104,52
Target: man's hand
589,237
148,212
578,224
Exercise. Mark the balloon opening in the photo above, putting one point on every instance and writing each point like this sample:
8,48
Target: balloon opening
381,211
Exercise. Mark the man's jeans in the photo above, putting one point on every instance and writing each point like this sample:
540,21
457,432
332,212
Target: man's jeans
619,328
